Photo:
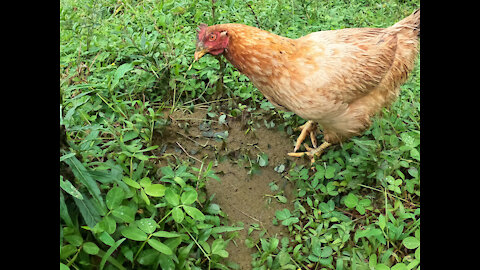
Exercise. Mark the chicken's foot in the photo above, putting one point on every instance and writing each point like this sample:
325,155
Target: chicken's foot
311,152
308,128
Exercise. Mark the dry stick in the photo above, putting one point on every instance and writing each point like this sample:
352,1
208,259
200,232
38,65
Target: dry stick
253,12
187,137
388,194
187,152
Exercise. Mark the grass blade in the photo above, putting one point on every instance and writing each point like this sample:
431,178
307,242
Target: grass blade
109,253
85,178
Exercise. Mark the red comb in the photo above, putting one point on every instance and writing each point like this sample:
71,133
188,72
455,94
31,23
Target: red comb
201,29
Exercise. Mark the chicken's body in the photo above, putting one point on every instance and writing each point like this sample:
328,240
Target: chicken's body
337,78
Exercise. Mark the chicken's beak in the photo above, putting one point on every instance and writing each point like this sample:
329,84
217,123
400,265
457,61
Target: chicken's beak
199,52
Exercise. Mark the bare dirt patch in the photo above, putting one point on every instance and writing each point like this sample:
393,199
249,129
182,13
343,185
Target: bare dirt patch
243,196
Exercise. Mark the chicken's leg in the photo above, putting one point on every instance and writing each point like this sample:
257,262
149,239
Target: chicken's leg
311,152
308,128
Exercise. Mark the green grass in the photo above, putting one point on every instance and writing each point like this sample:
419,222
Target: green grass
124,63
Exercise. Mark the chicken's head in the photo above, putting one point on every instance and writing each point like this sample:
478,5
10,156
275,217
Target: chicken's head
210,40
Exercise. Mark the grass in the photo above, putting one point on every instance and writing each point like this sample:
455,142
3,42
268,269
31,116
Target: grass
124,66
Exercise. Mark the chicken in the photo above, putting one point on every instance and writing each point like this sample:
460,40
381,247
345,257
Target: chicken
338,79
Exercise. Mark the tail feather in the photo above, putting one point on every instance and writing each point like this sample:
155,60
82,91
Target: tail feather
411,22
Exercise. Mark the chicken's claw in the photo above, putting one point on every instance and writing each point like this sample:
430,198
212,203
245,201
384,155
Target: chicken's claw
311,152
308,128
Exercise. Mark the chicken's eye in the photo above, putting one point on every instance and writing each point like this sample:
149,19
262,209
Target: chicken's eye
212,37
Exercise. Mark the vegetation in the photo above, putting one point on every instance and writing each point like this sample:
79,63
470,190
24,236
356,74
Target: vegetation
124,67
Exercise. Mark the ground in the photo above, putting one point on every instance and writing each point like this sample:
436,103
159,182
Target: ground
244,197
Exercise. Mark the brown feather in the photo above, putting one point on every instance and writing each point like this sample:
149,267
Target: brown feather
338,78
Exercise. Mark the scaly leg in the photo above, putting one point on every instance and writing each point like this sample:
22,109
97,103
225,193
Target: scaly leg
311,152
308,128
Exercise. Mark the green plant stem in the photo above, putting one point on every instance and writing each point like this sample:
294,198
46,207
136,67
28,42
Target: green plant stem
74,257
376,189
194,240
149,236
111,260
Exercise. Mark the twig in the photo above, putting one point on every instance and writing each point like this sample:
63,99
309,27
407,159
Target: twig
193,238
213,101
187,152
255,15
185,136
247,215
388,194
194,119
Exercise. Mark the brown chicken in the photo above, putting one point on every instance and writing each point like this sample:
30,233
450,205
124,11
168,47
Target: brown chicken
338,78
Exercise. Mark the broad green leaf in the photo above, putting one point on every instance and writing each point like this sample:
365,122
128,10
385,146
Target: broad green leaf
326,252
114,198
282,214
351,200
131,183
179,181
205,246
273,244
381,266
412,264
166,234
129,135
381,221
91,248
155,190
172,197
189,197
194,213
125,213
148,256
64,214
167,172
69,188
372,261
147,225
218,247
399,266
262,160
411,242
74,239
145,182
365,202
330,172
82,174
63,267
222,229
281,199
414,153
89,212
413,171
134,233
283,258
166,262
109,252
360,209
108,224
160,246
106,239
289,221
66,251
144,197
178,214
120,72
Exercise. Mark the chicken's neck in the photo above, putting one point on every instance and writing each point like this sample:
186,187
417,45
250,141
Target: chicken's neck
257,53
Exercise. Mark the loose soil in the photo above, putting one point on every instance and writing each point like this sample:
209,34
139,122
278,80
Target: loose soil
243,197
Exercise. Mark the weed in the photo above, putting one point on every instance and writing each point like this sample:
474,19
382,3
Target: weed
124,67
